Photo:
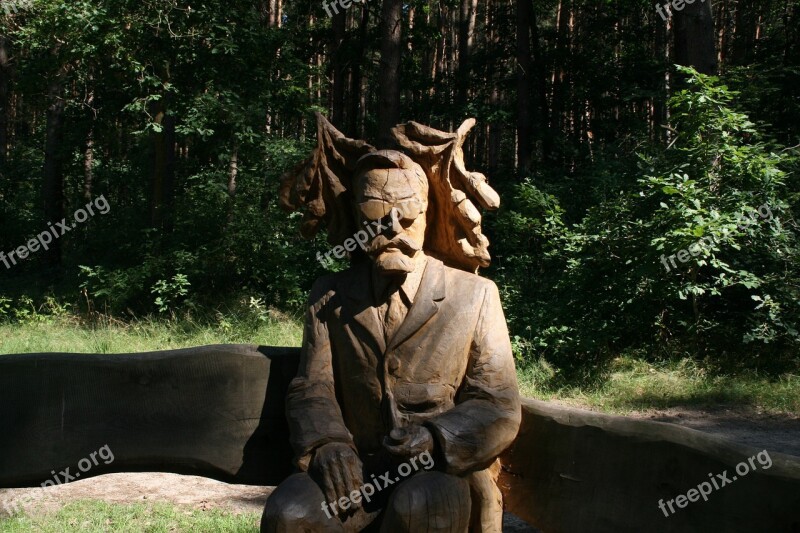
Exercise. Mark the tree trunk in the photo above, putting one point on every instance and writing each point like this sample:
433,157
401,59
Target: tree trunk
263,12
233,174
469,12
524,77
233,171
661,49
88,153
694,37
339,67
745,34
274,13
88,164
560,74
791,33
162,183
722,34
441,49
356,113
496,125
53,174
539,71
389,106
5,96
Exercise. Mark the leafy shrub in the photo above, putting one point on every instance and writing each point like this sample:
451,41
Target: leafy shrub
171,293
601,287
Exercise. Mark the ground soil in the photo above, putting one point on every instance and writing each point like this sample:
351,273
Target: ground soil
186,491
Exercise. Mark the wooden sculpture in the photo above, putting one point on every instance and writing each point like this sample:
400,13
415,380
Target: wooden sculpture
406,392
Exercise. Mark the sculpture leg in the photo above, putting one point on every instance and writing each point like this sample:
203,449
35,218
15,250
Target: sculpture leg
487,500
296,506
430,501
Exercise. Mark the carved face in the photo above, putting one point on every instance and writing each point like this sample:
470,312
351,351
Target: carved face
393,201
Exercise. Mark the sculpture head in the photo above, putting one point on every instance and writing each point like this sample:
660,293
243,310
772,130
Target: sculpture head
391,191
346,182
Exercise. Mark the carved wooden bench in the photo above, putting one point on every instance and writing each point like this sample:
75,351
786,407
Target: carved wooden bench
217,411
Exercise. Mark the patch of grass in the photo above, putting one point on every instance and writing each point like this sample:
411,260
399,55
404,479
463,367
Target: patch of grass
633,384
100,517
67,334
627,383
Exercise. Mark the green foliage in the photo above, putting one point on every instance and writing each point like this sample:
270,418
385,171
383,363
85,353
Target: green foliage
171,293
24,310
526,260
601,287
5,308
577,246
218,72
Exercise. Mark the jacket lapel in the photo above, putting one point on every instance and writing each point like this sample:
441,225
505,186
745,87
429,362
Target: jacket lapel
360,306
432,290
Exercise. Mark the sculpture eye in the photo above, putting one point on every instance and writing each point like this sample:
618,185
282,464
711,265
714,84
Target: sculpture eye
378,209
375,209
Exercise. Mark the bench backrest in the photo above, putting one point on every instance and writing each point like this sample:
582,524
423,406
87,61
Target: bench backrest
218,412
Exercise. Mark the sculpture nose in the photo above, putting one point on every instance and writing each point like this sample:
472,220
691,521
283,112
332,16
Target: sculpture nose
394,227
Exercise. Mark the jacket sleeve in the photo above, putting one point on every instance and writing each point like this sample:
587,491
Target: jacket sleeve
487,414
314,416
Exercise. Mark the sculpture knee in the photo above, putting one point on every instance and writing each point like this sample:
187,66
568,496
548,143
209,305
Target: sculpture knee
296,505
429,501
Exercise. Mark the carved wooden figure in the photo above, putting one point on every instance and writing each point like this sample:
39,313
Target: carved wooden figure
406,392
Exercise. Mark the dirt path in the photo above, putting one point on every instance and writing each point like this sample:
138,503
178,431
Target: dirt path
188,491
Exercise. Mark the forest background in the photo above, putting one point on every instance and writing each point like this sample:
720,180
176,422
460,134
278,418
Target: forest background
613,136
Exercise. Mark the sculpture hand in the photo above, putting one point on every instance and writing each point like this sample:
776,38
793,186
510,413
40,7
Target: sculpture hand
409,441
337,467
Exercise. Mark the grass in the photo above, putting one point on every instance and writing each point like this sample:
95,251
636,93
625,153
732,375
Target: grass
630,384
626,384
101,517
66,334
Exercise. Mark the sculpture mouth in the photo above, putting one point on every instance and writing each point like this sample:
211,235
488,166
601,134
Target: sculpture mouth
402,244
395,262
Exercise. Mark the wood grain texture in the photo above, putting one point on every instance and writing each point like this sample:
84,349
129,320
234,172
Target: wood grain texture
215,411
454,223
573,470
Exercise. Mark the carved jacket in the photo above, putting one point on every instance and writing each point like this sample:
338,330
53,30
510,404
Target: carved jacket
449,367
